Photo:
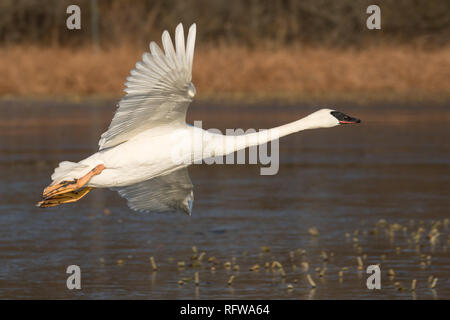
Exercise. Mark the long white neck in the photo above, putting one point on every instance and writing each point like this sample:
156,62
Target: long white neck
221,145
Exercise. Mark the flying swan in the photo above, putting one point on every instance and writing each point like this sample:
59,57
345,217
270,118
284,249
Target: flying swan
135,155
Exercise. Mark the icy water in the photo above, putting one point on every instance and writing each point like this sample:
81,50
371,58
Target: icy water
378,191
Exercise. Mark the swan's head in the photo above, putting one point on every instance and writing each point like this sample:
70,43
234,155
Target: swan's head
327,118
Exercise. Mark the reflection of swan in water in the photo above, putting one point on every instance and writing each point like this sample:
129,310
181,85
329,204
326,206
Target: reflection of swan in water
136,152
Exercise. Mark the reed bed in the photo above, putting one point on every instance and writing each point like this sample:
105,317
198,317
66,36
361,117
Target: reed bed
224,72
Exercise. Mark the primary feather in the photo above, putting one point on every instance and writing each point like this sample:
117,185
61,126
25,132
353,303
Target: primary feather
159,90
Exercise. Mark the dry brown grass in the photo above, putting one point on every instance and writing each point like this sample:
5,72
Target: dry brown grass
294,73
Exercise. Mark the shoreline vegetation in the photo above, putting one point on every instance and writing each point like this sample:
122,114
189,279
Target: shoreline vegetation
376,73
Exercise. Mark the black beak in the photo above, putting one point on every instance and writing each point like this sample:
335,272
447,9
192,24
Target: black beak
343,118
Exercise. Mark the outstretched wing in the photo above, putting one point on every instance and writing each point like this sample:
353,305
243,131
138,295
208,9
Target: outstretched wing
172,192
159,90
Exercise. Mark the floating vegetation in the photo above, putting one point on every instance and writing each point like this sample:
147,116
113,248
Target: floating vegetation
414,240
200,257
305,266
391,274
276,265
360,263
433,235
311,281
197,279
413,285
398,286
152,261
433,284
313,231
381,223
322,272
230,281
255,267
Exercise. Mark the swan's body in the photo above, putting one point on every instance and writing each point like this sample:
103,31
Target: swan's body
147,155
135,155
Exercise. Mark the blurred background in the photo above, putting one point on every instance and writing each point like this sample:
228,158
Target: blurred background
249,23
245,49
344,198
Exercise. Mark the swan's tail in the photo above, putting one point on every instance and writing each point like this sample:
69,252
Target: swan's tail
69,171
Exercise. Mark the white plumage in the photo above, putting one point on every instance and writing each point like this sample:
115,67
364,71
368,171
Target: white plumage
136,153
159,90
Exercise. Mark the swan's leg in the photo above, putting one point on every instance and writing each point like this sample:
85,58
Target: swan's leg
71,196
68,186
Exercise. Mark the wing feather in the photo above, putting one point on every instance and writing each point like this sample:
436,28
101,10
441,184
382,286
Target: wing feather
179,43
191,46
170,51
158,90
172,192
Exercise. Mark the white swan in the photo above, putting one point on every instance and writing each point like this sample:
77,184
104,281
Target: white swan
135,155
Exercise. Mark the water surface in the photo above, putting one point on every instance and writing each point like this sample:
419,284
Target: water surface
344,181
